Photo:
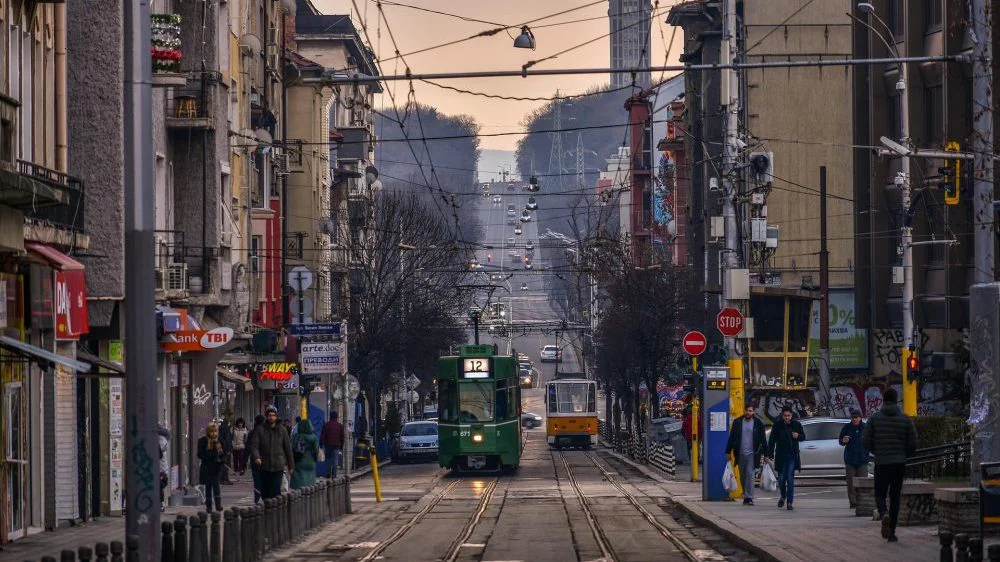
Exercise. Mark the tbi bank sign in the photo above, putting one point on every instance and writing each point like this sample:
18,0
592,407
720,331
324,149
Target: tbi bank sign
197,340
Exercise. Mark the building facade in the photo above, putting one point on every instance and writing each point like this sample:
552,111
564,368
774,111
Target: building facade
631,23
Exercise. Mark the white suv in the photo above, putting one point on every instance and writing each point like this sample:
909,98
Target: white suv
550,353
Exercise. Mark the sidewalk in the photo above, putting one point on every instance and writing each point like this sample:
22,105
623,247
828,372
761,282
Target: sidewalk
821,527
107,529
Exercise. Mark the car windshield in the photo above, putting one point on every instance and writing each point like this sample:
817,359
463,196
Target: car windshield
420,429
550,348
475,402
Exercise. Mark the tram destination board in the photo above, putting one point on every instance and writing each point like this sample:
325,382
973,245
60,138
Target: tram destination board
477,367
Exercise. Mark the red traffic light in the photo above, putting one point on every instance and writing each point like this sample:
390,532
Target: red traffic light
913,364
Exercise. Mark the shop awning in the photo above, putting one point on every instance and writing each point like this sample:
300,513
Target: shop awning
236,379
35,352
117,370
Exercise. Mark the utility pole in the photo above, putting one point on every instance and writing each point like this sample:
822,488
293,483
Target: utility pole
142,519
903,181
824,288
985,294
730,99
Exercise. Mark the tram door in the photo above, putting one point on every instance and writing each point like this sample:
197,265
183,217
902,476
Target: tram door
16,461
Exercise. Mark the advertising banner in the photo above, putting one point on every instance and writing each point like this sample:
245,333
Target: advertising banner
848,344
324,358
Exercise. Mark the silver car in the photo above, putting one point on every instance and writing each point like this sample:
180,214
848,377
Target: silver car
417,440
821,452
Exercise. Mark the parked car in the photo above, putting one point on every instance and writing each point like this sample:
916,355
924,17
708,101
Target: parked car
821,452
530,420
532,205
550,353
417,440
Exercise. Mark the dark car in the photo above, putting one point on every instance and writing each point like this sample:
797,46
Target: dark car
530,420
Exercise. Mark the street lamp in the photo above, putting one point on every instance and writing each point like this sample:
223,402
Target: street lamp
526,40
903,180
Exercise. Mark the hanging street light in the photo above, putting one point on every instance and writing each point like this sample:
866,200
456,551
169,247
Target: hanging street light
526,40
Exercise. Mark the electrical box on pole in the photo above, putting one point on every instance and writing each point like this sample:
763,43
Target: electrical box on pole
951,175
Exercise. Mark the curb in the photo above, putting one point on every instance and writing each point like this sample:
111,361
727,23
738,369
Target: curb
732,533
367,469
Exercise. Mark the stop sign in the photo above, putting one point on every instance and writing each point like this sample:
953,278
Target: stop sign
729,322
694,343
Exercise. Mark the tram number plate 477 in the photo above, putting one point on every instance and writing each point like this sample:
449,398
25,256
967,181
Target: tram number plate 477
476,460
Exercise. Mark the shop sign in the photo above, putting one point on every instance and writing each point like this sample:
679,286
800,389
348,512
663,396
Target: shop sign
276,375
71,304
321,358
197,340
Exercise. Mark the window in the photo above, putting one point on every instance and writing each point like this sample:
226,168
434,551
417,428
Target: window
475,402
447,410
503,402
934,115
822,431
932,15
255,243
769,323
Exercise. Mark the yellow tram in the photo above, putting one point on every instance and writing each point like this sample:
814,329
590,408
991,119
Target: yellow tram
571,408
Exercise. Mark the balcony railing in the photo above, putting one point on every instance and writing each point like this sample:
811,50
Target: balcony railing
190,107
70,215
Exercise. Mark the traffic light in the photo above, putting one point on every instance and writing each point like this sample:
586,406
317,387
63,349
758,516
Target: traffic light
951,174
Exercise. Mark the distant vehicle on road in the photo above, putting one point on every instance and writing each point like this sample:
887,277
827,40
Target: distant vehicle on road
511,211
529,245
531,421
417,440
571,409
497,200
524,286
550,353
525,216
517,231
532,205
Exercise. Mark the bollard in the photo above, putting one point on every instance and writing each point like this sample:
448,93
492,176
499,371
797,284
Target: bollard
961,547
269,527
286,513
203,517
85,554
102,550
67,556
180,539
166,542
48,559
132,548
994,552
975,549
197,540
228,534
945,538
117,550
215,549
259,531
348,509
247,544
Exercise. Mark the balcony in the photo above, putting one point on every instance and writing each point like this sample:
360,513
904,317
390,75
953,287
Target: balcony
166,50
190,106
69,212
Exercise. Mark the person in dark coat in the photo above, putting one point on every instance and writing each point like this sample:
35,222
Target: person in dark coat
271,451
783,447
891,436
332,439
855,454
258,421
211,455
747,443
226,437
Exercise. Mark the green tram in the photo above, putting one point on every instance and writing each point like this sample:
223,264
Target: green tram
479,409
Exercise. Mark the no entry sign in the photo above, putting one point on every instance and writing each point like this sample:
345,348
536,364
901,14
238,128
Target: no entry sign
729,322
694,343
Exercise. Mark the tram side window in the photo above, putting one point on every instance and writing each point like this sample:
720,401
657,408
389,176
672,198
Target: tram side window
553,403
447,408
514,392
502,401
592,398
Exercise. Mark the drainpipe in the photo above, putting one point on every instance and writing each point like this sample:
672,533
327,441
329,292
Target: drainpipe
62,163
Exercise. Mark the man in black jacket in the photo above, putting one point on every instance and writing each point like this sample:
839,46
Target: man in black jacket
784,448
747,443
891,436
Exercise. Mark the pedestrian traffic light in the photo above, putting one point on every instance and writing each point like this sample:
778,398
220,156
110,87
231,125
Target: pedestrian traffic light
689,382
951,174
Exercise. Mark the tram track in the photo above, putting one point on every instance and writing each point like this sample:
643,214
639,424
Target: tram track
470,525
607,551
398,533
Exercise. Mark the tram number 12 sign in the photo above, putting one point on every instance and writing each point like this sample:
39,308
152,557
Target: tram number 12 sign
476,368
729,322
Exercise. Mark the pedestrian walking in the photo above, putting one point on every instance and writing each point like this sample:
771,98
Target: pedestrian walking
163,441
226,438
258,421
271,451
240,434
891,437
305,449
783,447
211,455
747,443
855,454
686,428
332,438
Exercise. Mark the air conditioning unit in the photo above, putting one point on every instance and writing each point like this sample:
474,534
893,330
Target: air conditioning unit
281,163
172,278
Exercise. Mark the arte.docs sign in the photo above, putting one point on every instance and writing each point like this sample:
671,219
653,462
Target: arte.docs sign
848,344
324,358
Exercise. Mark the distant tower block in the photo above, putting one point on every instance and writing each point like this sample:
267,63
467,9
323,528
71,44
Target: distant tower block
631,23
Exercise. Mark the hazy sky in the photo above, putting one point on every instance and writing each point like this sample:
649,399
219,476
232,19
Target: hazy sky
414,30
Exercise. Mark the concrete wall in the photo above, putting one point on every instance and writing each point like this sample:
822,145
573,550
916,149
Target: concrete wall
804,117
94,107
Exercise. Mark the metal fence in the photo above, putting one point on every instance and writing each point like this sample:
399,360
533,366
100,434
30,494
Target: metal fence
239,534
637,448
949,460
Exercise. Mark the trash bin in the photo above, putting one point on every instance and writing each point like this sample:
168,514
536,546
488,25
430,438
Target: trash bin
989,495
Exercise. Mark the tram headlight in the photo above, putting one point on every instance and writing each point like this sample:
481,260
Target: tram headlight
477,438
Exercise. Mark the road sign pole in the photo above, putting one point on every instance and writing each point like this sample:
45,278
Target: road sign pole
695,403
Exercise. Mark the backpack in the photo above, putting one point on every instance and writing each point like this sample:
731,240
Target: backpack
299,448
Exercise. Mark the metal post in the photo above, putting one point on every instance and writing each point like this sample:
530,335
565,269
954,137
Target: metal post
909,388
347,447
824,288
142,517
730,99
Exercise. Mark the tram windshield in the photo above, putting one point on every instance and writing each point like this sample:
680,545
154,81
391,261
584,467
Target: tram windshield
572,398
475,402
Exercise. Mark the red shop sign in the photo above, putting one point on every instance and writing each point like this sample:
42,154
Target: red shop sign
71,304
